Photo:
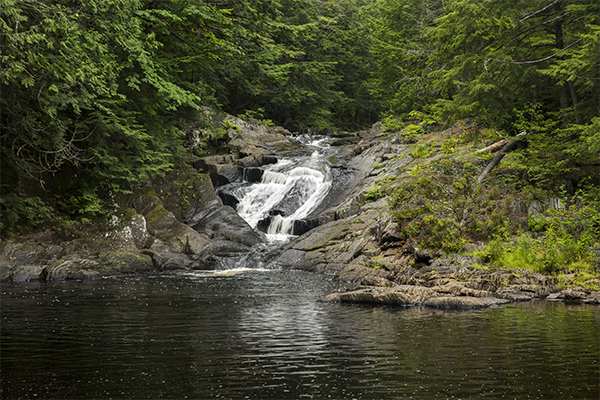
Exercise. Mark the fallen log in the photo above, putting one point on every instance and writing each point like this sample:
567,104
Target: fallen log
508,147
493,147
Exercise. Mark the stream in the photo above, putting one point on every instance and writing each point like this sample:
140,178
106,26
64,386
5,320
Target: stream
287,191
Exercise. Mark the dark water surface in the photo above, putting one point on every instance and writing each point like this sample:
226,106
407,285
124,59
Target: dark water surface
264,335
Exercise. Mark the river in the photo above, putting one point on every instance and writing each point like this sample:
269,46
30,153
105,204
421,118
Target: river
263,334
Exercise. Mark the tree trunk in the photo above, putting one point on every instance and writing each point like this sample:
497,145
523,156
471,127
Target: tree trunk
562,89
493,147
575,100
564,104
508,147
534,104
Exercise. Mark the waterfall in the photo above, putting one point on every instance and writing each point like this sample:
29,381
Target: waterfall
289,191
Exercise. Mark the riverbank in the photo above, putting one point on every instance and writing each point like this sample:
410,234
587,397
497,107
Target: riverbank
405,223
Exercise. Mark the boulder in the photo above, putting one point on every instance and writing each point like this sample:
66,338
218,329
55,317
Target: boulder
224,224
463,302
576,295
402,295
22,273
76,269
163,225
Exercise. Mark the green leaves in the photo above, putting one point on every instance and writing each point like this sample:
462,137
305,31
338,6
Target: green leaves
96,84
304,62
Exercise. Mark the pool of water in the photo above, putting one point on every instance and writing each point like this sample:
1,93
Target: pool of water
263,334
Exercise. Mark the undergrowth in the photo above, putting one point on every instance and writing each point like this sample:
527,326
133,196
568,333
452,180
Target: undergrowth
439,203
559,243
446,208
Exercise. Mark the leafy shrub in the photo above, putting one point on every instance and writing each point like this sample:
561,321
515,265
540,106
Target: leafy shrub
85,201
380,190
423,118
213,142
411,132
22,213
443,210
563,245
449,145
391,124
228,124
69,229
420,150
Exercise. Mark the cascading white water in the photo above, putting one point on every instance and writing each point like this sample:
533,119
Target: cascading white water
289,190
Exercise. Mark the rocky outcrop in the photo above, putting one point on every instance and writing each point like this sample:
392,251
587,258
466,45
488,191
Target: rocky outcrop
42,257
412,295
454,286
179,222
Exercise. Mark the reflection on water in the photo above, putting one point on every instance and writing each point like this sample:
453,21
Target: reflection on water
263,335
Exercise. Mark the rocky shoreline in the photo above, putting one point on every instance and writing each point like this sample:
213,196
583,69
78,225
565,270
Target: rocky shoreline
179,222
457,287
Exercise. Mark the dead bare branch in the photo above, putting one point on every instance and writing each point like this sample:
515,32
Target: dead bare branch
493,147
508,147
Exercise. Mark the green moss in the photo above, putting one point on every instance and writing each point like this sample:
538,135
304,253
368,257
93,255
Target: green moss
374,262
156,213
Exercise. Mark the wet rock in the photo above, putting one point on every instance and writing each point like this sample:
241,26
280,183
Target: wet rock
224,224
22,273
289,258
458,289
403,295
376,281
228,199
76,269
253,175
256,161
126,262
28,252
303,226
222,169
344,141
169,261
163,225
463,302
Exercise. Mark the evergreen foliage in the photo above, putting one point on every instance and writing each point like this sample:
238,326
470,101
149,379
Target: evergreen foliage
304,63
519,66
96,87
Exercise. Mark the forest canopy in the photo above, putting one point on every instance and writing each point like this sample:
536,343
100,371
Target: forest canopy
101,87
